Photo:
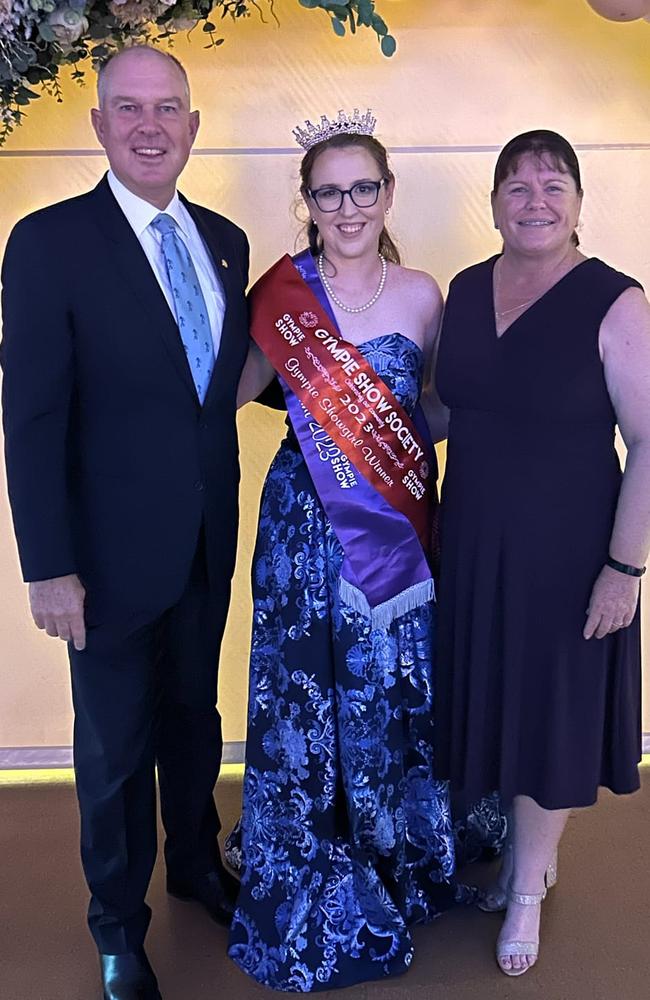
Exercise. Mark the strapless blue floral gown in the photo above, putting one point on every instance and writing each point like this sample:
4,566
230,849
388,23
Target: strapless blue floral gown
346,836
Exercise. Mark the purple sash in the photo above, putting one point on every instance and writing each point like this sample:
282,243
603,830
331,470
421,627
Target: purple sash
385,572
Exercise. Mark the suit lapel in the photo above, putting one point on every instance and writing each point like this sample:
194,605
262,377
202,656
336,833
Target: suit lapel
130,261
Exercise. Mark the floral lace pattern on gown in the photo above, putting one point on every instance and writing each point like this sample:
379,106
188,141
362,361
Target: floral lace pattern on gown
346,836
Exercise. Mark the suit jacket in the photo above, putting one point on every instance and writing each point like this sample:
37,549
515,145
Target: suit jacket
112,463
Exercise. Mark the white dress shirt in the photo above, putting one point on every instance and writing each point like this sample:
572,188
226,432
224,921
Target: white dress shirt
140,214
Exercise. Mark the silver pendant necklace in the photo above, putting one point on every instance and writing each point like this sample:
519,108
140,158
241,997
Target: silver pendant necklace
497,288
506,312
336,300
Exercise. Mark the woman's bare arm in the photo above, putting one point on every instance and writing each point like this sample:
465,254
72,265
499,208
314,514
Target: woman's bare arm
625,350
437,415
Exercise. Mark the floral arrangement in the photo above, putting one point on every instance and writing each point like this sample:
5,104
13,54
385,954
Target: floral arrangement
37,37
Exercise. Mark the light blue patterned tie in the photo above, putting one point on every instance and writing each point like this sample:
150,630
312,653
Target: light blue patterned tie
189,304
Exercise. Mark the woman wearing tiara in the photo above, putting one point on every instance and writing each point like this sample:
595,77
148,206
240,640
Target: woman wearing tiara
346,837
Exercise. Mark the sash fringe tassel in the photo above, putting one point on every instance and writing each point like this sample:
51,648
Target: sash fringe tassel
385,614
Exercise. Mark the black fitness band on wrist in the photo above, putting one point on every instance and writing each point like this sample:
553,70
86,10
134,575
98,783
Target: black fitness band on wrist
624,568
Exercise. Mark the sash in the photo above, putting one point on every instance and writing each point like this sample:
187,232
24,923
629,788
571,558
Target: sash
368,460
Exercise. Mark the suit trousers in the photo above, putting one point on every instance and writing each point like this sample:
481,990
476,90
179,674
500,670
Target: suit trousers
145,695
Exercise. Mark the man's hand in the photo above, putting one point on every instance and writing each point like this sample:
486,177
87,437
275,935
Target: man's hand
58,607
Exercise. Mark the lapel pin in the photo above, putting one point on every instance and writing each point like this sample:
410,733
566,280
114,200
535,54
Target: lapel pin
224,263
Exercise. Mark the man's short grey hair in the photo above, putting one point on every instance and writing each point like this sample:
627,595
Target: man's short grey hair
102,75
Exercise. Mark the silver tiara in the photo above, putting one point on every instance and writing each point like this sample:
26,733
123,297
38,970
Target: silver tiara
344,124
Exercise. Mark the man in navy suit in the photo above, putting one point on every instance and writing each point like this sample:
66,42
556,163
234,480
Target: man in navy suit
123,476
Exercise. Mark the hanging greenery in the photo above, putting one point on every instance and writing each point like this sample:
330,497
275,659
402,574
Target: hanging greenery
37,37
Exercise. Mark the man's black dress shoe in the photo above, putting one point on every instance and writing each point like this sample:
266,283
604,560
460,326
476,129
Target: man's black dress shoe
128,977
217,892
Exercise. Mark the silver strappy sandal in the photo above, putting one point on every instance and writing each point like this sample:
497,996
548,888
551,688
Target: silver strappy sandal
495,899
508,949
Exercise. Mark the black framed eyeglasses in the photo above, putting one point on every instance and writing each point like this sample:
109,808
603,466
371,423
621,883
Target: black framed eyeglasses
363,194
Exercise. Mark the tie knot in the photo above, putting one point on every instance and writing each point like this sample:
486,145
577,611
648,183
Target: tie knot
164,224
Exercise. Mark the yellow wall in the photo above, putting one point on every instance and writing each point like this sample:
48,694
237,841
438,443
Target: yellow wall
469,76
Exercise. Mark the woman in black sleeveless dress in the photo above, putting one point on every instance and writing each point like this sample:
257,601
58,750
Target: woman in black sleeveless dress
543,352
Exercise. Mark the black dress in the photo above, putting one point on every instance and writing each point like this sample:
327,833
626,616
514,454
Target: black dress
525,705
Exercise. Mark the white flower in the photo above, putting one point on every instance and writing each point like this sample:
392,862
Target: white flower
67,24
135,13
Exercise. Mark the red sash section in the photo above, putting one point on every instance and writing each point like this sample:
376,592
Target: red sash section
344,394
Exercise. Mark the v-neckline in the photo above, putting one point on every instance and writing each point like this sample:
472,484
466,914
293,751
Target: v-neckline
499,336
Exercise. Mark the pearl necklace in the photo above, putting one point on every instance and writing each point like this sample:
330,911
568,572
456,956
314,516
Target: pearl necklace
336,300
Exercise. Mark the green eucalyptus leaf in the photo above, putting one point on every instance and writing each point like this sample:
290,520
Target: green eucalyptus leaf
98,31
339,27
388,45
35,74
31,95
